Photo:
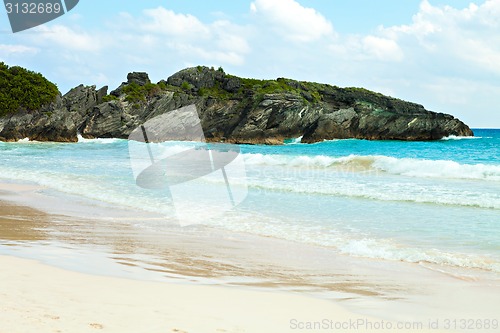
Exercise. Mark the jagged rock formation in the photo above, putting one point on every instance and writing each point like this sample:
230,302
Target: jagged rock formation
58,121
232,109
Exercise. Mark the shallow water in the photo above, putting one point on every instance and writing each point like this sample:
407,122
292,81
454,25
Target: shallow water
433,203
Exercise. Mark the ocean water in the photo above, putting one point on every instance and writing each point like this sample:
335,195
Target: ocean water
434,203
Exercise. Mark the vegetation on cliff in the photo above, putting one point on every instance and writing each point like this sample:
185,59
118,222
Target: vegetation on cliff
23,89
215,84
211,83
231,109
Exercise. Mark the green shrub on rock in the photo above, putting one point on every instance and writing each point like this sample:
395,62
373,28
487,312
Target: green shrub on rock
24,89
109,98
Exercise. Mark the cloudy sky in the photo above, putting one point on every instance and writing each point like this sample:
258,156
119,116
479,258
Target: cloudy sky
444,54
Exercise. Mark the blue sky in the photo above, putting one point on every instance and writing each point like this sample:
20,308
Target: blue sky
444,54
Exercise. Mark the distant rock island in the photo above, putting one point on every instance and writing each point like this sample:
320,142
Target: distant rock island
231,109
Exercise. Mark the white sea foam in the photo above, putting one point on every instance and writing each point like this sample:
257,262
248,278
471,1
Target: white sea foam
402,192
384,249
81,139
94,188
376,178
436,169
29,141
294,141
351,244
410,167
455,137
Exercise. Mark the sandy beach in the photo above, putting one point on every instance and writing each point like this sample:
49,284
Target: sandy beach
63,273
39,298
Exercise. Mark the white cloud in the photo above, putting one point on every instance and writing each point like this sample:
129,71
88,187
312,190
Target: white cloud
359,49
382,48
489,13
155,40
293,21
7,50
471,101
162,31
469,36
451,59
167,22
230,37
66,38
189,51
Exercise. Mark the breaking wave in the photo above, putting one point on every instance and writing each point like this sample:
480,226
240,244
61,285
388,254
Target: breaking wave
409,167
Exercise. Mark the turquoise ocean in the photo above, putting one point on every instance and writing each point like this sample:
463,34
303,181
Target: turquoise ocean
435,203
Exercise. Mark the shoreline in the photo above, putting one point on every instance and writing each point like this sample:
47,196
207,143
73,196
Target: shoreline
101,248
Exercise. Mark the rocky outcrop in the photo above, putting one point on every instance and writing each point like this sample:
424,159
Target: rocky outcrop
381,125
138,78
59,121
234,110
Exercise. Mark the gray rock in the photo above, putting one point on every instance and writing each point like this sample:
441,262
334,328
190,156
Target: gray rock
140,78
59,121
199,77
236,110
81,98
232,84
336,125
